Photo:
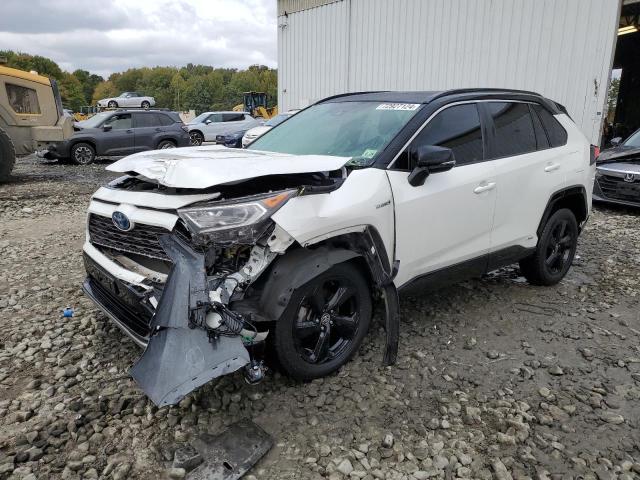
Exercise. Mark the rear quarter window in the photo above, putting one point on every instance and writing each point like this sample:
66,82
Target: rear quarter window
165,120
555,132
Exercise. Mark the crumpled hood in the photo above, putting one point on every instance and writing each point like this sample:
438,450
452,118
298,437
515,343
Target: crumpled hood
619,153
203,167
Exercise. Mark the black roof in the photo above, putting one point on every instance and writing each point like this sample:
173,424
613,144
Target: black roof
425,97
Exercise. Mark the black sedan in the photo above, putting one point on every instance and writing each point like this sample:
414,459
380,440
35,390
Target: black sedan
120,133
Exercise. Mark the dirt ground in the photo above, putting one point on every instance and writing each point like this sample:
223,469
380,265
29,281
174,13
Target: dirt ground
495,378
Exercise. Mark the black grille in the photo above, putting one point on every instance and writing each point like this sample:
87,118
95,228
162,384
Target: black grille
617,188
141,240
117,298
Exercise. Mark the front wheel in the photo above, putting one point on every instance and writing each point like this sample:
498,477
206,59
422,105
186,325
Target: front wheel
324,323
145,105
196,138
82,154
555,250
112,104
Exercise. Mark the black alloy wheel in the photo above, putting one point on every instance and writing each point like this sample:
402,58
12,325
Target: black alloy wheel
82,154
196,138
555,250
324,324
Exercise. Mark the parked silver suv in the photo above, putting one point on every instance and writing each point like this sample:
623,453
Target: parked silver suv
207,126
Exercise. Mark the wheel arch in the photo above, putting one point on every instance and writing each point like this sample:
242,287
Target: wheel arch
169,138
573,198
91,142
364,249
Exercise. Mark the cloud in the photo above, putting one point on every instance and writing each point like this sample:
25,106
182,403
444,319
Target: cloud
114,35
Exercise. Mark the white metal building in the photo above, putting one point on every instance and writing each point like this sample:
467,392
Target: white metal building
560,48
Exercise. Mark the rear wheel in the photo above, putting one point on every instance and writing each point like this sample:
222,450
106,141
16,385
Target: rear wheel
555,250
196,138
83,154
164,144
324,323
7,155
112,104
145,104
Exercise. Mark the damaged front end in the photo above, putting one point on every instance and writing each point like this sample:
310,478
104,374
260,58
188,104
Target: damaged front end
192,285
195,336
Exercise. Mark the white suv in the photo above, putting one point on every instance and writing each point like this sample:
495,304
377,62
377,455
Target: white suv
203,254
207,126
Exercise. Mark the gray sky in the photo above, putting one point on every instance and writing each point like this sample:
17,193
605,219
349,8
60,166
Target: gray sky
106,36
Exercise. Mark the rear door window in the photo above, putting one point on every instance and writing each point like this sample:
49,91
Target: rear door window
143,120
513,129
232,117
556,132
23,99
458,128
542,142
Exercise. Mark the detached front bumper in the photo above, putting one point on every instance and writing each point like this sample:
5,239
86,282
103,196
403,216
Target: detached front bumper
178,357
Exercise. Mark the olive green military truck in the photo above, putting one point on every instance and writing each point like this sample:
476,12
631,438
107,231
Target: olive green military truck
31,116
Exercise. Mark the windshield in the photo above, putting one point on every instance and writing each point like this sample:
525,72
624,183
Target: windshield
200,118
94,121
360,130
633,140
277,120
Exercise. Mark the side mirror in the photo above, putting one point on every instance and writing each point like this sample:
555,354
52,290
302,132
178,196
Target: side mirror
107,128
207,122
429,159
616,141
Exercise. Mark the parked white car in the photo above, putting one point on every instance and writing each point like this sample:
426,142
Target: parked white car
203,254
256,132
127,99
207,126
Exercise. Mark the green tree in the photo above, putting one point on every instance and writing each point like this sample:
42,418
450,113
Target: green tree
103,90
71,92
89,82
612,95
24,61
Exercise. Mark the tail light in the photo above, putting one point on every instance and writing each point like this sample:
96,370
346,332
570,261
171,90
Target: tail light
595,153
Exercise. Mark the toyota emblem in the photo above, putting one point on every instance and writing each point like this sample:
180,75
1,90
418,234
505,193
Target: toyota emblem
121,221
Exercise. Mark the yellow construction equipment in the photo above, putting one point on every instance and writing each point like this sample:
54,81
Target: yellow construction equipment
31,116
256,104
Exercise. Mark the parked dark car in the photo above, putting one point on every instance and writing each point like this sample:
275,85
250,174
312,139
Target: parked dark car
618,172
119,133
231,140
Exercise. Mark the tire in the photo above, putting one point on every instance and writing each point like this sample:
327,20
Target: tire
555,250
112,104
303,349
7,155
164,144
196,138
83,153
145,105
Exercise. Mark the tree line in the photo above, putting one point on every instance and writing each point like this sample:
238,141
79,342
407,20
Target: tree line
192,87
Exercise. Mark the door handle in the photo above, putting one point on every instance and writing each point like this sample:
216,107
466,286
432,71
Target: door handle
484,187
552,167
129,131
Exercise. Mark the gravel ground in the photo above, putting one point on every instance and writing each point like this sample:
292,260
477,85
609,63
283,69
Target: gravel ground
495,378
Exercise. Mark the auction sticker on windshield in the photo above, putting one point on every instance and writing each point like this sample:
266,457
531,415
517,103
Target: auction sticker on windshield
398,106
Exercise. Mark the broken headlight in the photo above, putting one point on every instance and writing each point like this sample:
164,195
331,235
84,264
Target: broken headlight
242,220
